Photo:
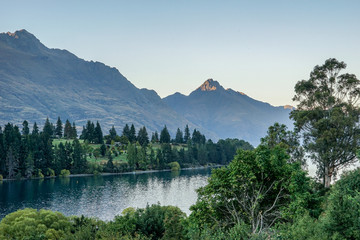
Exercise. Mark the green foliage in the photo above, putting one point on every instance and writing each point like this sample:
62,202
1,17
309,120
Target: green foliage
258,188
33,224
164,135
328,116
64,173
175,166
50,172
1,177
342,215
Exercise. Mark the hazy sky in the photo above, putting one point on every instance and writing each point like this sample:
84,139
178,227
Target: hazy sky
261,48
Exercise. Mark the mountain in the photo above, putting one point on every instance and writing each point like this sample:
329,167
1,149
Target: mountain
37,82
228,113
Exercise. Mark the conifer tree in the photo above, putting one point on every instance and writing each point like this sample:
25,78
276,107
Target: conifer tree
186,134
59,128
164,135
25,131
179,136
132,134
67,129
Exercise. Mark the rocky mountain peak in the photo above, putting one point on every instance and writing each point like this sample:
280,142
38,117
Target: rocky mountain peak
22,40
210,85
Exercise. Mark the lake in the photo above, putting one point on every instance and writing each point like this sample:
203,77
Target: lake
103,196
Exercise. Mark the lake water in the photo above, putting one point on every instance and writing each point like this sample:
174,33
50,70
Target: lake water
103,196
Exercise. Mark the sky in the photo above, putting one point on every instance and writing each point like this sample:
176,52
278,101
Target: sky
261,48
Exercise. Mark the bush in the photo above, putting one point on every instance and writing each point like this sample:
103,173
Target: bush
39,174
32,224
175,166
64,173
50,172
1,177
342,215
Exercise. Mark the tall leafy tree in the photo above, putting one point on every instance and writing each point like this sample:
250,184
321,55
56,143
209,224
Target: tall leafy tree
59,128
328,117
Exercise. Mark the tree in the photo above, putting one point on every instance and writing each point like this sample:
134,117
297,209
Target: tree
103,150
35,129
179,136
126,131
67,129
164,135
59,128
258,188
143,137
155,137
110,164
98,135
187,134
112,133
328,116
73,134
278,134
25,130
132,134
48,130
132,155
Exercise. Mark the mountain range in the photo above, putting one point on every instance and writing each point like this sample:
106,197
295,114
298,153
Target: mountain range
37,82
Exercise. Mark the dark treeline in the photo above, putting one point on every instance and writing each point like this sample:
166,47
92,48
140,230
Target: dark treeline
27,154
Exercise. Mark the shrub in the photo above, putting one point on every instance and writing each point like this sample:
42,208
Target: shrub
175,166
64,173
50,172
1,177
32,224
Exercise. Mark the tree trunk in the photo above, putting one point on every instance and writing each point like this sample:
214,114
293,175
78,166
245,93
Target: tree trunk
327,176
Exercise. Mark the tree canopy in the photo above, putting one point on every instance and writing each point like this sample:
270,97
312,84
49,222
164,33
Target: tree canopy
328,115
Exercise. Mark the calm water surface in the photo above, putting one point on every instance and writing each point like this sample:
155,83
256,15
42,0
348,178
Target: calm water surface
103,196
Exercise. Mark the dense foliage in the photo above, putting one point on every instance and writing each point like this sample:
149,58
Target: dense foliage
328,117
27,154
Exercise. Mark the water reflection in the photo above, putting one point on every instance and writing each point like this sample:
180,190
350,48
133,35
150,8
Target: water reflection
103,196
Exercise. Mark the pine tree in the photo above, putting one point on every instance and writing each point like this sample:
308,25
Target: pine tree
25,131
110,164
112,133
59,128
73,131
132,134
143,137
67,129
126,131
164,135
186,134
131,155
47,130
98,135
179,136
103,150
35,129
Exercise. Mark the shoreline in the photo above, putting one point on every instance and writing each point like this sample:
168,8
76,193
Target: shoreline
111,174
